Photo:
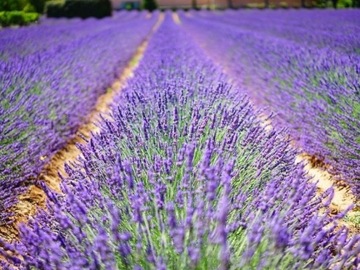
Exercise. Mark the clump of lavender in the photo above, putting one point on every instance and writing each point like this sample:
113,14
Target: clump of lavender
184,177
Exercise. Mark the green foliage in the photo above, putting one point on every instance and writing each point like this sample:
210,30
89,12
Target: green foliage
149,5
355,3
87,8
29,8
22,5
339,3
11,5
38,5
128,6
19,12
345,3
80,8
8,18
55,9
354,219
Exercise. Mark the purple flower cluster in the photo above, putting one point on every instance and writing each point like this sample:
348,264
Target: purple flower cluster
50,79
303,65
184,176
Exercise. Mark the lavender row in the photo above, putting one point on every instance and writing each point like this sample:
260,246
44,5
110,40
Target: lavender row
55,34
314,92
336,30
46,96
184,177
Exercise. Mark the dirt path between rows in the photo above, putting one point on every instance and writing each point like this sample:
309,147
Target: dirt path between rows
35,197
343,197
176,18
319,175
316,170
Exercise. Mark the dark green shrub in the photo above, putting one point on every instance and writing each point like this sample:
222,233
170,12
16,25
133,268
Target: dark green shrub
356,3
55,9
80,8
11,5
87,8
38,5
149,5
8,18
30,17
129,5
29,8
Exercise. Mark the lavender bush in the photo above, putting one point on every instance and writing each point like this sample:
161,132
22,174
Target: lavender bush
184,177
310,80
46,94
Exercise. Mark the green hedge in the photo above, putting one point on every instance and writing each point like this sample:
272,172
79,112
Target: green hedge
8,18
38,5
80,8
55,9
149,5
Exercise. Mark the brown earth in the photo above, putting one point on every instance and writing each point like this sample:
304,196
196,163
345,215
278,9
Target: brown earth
176,18
343,197
319,174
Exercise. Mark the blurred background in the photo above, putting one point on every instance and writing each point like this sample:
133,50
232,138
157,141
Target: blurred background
224,4
23,12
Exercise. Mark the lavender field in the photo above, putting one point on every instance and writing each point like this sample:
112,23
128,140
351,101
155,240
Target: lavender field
188,140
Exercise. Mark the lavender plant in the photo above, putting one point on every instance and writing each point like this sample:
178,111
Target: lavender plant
184,177
46,94
308,80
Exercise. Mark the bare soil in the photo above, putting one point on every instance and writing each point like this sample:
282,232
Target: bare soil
319,174
343,197
176,18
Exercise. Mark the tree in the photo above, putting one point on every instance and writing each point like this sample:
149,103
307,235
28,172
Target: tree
230,4
25,5
80,8
9,5
194,4
356,3
149,5
267,3
38,5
